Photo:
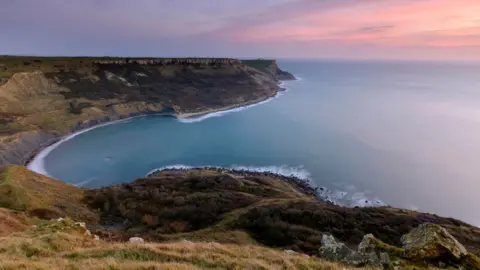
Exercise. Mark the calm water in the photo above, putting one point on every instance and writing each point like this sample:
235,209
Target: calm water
406,133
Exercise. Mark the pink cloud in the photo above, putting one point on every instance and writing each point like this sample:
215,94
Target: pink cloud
438,23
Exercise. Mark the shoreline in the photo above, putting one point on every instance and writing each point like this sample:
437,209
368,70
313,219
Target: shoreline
223,109
35,161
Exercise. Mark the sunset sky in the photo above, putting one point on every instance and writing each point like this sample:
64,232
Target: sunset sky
360,29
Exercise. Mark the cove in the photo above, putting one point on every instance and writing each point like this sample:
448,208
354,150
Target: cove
379,132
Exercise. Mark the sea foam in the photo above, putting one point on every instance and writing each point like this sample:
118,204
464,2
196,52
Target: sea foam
37,164
200,118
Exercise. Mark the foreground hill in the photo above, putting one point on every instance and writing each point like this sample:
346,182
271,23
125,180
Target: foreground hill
43,98
237,210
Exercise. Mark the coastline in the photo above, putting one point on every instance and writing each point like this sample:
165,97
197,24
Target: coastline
35,161
223,109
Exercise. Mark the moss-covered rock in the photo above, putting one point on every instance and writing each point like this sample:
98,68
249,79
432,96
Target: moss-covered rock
431,242
470,262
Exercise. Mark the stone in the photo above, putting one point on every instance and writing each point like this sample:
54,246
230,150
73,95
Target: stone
363,259
81,224
96,237
432,242
368,244
136,240
289,251
333,250
187,241
385,260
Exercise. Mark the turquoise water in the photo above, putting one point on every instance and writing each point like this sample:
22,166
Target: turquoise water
403,133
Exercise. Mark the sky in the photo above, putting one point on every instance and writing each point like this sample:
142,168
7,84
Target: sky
345,29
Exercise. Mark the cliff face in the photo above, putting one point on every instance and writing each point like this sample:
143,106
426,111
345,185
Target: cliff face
42,99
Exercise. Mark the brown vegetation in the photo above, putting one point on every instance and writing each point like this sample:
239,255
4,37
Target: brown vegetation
64,245
41,196
240,208
199,204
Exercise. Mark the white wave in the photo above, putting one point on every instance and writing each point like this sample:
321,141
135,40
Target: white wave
83,183
38,162
222,113
225,112
349,198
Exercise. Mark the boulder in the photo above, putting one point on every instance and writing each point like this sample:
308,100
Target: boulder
333,250
368,244
431,242
136,240
368,253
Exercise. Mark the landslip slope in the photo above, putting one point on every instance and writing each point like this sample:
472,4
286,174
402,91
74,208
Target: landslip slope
43,98
239,208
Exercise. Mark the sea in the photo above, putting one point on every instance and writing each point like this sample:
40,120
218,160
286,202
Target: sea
371,133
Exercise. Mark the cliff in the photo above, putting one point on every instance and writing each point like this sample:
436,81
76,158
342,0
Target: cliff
42,99
249,220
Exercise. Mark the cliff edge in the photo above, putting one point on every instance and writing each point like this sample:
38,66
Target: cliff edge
42,99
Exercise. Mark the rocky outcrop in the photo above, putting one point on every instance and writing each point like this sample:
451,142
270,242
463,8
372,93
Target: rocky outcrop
366,254
428,244
25,145
433,243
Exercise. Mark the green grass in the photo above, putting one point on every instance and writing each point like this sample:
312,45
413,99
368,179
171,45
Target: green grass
258,63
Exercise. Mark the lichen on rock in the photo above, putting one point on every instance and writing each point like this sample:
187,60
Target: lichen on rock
433,243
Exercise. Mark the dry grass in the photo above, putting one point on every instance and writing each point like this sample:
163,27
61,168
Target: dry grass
38,195
65,245
12,221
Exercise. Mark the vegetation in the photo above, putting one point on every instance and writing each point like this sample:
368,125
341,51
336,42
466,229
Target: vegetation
66,245
240,211
40,196
259,63
175,204
34,90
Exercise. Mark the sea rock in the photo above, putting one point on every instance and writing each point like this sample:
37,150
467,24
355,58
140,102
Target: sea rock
432,242
136,240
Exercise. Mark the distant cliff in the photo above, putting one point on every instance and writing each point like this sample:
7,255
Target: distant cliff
42,99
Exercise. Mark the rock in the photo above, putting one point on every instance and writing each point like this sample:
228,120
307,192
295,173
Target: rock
187,241
96,237
368,244
289,251
60,220
368,253
363,259
431,242
81,224
333,250
385,260
87,232
136,240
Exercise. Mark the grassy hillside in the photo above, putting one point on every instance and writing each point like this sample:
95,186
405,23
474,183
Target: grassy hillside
43,98
242,212
40,196
64,245
248,207
53,94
